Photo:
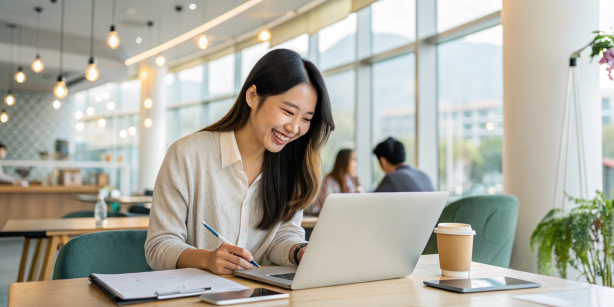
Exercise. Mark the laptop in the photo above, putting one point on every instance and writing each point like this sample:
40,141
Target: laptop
361,237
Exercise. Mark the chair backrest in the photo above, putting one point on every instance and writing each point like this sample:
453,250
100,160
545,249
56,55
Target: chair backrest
494,219
105,252
139,209
78,214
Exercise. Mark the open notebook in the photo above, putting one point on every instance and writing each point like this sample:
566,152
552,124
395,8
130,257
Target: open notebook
134,288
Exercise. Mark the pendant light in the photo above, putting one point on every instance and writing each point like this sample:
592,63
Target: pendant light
203,41
4,117
20,77
60,90
160,60
9,99
37,65
92,73
113,38
264,35
148,103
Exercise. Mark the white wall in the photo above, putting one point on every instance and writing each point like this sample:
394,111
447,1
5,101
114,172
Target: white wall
538,38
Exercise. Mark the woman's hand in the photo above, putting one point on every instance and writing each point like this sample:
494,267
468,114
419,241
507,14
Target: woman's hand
227,258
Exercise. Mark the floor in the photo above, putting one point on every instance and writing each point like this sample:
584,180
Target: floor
10,254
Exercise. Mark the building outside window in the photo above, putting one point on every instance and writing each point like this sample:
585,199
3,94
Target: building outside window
469,75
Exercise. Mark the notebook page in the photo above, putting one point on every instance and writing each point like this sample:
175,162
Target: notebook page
146,284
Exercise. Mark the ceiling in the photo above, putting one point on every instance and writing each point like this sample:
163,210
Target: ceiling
131,19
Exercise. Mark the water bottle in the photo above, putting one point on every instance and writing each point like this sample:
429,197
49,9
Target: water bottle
100,212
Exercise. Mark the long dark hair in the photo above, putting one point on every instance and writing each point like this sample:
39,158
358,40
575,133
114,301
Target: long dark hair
340,170
292,177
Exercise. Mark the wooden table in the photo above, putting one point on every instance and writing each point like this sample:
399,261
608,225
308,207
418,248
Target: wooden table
408,291
55,232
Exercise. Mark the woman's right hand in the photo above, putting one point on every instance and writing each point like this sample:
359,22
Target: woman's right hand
227,258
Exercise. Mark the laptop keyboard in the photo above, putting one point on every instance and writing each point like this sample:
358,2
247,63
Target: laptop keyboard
288,276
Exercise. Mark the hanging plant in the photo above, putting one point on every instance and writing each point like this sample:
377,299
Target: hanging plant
603,45
582,239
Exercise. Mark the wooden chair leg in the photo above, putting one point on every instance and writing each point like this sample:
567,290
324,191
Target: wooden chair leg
24,260
36,260
49,261
64,240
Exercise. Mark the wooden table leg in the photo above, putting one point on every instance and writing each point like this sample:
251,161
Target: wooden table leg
24,260
36,260
49,261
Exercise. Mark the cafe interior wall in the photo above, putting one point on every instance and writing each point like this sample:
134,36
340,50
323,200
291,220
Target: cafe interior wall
33,127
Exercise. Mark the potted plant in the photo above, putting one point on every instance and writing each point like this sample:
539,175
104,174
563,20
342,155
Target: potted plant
603,44
582,239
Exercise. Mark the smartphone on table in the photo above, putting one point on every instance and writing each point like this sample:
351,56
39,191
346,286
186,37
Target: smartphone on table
242,296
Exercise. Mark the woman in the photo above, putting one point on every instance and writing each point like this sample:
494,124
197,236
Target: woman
249,176
342,179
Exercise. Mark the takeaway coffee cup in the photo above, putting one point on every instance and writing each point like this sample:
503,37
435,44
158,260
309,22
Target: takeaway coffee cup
455,247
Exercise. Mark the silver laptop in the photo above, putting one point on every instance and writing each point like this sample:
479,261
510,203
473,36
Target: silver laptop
360,238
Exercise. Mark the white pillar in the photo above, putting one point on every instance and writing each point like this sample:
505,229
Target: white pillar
538,39
152,147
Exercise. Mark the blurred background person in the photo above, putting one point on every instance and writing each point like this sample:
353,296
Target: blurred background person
342,179
400,177
4,178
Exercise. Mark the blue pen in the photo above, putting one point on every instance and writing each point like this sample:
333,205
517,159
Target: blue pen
224,240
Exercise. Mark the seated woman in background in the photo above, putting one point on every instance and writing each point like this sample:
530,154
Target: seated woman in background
342,179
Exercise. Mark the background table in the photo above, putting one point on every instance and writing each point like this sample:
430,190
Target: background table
55,232
409,291
122,199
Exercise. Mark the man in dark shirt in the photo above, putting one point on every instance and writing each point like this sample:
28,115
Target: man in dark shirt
400,177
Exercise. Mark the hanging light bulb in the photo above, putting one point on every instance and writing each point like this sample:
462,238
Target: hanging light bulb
79,126
60,90
57,104
148,103
9,99
264,35
123,133
37,65
148,122
102,122
110,105
78,115
203,42
132,130
90,111
20,76
4,117
160,60
92,73
113,39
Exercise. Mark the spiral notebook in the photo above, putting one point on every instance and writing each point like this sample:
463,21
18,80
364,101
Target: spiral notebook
134,288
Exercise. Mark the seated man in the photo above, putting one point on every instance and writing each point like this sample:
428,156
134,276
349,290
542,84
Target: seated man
400,177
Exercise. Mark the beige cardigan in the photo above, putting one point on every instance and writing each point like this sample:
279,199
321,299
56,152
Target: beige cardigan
193,185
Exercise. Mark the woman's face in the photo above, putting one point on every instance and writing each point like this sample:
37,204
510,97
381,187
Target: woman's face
352,166
282,118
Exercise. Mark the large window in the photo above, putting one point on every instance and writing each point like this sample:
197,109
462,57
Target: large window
191,84
222,76
394,106
470,97
606,23
250,56
299,44
393,23
452,13
337,43
341,91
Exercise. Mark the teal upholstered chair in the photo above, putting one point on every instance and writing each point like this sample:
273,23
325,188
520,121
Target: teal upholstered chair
77,214
106,252
493,218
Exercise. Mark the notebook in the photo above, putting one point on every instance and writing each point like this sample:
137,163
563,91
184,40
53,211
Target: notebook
134,288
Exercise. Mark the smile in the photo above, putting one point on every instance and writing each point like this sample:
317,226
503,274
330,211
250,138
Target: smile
280,138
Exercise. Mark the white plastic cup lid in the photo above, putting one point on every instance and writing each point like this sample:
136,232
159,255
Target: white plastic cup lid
455,229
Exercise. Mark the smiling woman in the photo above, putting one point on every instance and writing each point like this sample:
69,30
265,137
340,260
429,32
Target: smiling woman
249,176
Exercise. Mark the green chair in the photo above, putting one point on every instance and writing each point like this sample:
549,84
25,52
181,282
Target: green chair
77,214
105,252
493,218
